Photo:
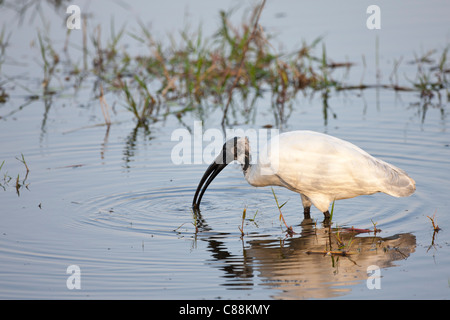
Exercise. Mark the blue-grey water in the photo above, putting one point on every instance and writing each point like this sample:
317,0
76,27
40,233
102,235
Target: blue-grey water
112,202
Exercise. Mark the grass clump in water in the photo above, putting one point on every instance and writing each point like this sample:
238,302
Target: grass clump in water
5,178
229,70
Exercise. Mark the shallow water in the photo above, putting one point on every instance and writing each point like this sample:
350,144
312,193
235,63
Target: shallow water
112,202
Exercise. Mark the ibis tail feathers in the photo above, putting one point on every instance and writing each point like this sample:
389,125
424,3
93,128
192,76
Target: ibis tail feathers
396,182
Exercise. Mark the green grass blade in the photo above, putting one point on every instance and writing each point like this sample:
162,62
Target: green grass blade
332,210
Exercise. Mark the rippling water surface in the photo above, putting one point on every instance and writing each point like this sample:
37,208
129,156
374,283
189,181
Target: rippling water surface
112,202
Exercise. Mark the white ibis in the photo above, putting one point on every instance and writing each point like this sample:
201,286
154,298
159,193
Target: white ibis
319,167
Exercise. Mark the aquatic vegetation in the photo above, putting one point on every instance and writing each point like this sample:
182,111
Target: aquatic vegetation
3,95
435,226
5,178
332,211
436,229
289,229
432,79
241,228
4,41
50,60
229,70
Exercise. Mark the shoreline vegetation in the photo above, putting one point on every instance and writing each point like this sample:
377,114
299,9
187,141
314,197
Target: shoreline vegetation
229,70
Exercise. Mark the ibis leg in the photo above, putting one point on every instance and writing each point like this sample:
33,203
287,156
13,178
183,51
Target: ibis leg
307,212
306,206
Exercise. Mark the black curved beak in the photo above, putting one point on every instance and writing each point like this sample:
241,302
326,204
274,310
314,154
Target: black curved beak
210,173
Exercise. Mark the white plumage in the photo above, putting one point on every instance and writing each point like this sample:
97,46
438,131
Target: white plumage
319,167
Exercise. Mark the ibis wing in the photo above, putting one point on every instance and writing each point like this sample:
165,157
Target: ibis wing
315,163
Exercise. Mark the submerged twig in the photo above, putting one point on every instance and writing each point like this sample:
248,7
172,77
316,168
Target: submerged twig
436,229
435,226
342,253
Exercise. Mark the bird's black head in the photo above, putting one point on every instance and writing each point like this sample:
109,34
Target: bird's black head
234,149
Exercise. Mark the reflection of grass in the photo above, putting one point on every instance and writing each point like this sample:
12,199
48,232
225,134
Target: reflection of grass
6,178
229,70
4,40
340,239
50,59
237,63
3,95
342,245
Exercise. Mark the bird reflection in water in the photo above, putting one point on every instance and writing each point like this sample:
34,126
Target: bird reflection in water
302,267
